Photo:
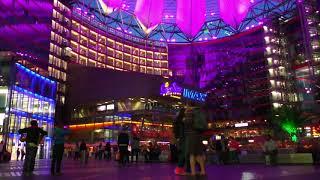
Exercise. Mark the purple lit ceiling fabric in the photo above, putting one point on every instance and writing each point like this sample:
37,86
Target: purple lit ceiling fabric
149,13
233,12
113,3
25,27
36,8
190,16
29,38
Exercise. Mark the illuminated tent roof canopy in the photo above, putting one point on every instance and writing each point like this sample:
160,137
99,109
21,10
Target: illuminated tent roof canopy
185,20
108,6
190,16
233,12
149,14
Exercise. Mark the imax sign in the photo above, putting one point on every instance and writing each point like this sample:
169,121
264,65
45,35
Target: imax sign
194,95
175,91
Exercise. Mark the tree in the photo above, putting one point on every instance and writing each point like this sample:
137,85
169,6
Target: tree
285,122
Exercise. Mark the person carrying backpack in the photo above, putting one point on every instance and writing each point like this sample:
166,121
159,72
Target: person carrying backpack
195,125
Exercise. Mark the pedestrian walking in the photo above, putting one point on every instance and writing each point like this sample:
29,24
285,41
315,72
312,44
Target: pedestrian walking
178,131
135,145
95,150
23,153
58,148
108,151
234,150
100,151
18,154
195,124
83,153
2,148
34,135
271,151
76,152
123,143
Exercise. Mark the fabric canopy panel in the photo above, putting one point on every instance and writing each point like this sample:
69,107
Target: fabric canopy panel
108,6
149,13
113,3
233,12
190,16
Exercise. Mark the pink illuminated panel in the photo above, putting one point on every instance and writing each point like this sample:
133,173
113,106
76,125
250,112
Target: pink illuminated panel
149,13
190,16
113,3
233,12
108,6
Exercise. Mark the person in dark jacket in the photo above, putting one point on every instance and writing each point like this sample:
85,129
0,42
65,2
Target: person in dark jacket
2,150
135,145
194,146
83,152
100,151
178,128
222,150
107,151
18,154
23,153
123,143
34,135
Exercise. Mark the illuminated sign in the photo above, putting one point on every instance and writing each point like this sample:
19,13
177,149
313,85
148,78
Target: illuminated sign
172,90
194,95
110,107
102,108
155,106
105,107
241,125
175,91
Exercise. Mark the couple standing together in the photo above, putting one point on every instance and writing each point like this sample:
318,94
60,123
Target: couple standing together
188,128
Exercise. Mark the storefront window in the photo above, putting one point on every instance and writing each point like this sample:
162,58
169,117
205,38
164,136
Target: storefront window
12,121
27,106
23,123
3,104
25,103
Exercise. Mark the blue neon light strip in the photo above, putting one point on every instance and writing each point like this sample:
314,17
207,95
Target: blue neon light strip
21,90
35,116
34,73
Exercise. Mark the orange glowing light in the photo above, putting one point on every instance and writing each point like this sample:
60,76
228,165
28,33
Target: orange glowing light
99,125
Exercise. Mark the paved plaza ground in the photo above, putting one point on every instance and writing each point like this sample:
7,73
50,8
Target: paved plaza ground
158,171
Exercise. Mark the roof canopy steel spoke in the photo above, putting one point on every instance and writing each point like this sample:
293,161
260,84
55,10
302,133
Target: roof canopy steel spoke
214,27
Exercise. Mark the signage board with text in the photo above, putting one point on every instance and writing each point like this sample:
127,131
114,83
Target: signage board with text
176,91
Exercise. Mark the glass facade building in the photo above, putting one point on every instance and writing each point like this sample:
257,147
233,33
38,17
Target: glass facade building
26,96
